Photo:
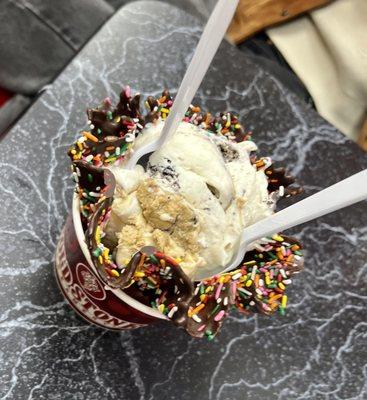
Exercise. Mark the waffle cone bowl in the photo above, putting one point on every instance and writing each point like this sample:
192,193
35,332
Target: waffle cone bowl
152,284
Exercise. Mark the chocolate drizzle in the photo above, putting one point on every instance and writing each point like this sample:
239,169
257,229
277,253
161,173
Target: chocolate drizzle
109,121
205,321
228,123
112,131
158,108
278,177
95,179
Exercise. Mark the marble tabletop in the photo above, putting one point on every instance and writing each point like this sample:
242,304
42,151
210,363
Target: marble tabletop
317,351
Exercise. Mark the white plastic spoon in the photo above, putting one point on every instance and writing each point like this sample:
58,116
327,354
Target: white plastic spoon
210,40
340,195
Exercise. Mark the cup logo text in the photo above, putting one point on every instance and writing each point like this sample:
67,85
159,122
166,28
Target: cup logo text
83,289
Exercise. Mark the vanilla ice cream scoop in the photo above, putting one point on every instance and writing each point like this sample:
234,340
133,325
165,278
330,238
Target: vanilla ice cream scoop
197,194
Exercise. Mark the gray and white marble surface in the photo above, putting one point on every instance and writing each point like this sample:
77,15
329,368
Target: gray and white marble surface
317,351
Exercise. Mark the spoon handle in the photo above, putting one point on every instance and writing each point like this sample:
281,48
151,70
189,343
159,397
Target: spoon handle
210,40
340,195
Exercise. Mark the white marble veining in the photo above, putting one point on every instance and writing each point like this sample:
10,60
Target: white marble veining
317,351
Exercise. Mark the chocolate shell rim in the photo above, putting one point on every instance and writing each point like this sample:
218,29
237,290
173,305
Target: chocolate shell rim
98,206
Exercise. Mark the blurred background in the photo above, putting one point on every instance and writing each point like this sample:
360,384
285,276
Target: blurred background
317,48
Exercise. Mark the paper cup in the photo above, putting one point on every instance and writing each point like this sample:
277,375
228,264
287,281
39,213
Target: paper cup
87,294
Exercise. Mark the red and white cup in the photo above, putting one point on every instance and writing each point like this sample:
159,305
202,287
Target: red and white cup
87,294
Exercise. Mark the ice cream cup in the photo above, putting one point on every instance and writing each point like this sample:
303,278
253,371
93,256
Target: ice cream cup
87,294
